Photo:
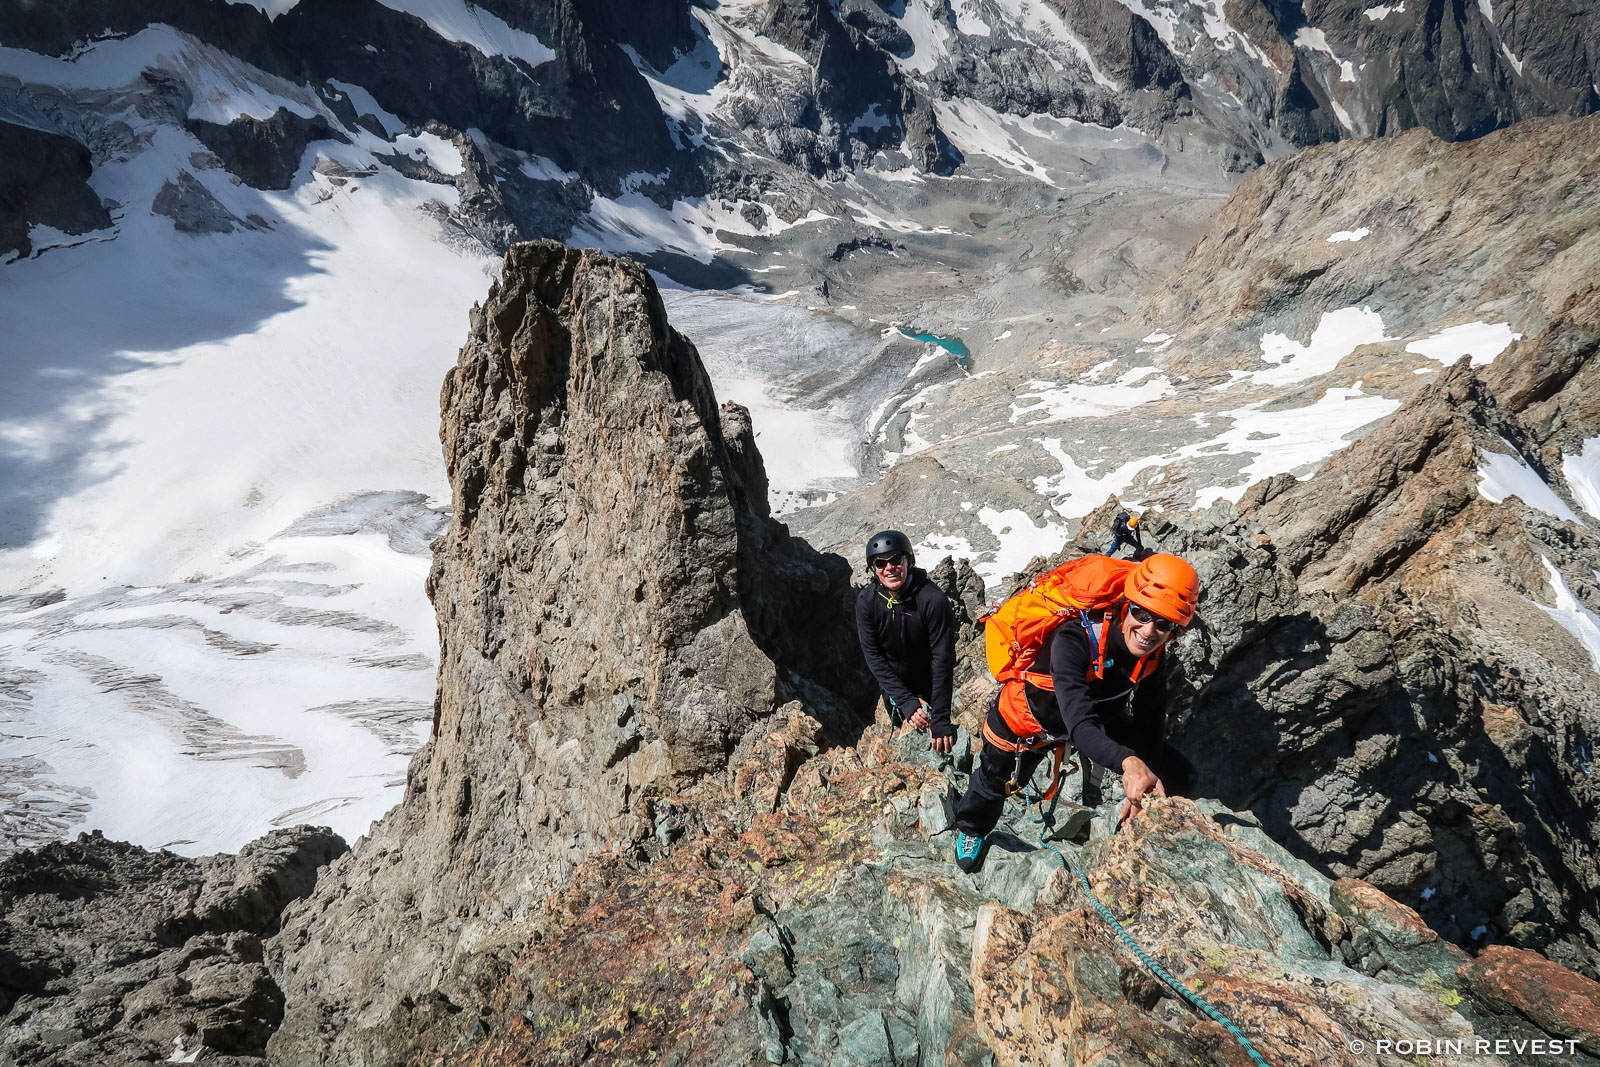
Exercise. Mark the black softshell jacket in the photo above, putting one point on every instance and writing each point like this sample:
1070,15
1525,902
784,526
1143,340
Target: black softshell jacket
1085,711
910,645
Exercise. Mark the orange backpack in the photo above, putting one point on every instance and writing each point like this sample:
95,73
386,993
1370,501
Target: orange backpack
1083,589
1014,632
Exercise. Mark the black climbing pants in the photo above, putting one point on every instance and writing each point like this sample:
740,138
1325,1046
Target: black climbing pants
985,799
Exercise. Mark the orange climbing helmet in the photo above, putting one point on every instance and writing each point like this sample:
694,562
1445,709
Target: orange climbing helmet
1166,585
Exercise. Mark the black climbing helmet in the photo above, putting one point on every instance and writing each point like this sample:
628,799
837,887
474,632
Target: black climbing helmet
887,543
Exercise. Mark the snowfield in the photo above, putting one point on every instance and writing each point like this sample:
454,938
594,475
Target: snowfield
221,475
222,469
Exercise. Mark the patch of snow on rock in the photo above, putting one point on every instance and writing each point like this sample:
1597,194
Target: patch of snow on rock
1054,403
1349,235
1501,476
461,22
935,547
1075,491
1582,472
693,87
1481,340
1044,19
541,169
224,87
1516,64
1383,11
366,104
1289,440
1314,40
978,130
968,21
433,150
1164,22
1338,334
927,32
1020,540
1573,617
635,223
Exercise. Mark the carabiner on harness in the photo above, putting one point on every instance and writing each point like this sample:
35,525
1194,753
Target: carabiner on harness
1063,765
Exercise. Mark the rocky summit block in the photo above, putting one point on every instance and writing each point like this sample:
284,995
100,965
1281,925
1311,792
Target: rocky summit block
44,182
617,617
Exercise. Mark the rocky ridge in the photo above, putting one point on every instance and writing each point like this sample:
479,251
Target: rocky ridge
652,824
113,954
715,902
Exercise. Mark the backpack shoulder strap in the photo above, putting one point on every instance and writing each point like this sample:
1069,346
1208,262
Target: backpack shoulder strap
1099,630
1097,625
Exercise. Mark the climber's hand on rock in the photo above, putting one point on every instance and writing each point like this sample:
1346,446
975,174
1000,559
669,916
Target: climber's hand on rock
942,744
1138,782
919,718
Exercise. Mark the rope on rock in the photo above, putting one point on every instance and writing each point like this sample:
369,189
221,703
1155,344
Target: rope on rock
1046,820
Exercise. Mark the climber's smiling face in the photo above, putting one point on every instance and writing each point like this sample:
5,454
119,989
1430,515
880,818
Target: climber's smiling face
1143,631
892,571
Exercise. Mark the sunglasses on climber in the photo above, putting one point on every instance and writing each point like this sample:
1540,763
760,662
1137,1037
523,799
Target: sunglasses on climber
895,560
1146,617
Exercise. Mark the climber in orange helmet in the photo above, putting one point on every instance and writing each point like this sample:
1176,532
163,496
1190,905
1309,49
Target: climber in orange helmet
1098,683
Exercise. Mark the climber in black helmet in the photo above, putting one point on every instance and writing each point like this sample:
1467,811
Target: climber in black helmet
908,634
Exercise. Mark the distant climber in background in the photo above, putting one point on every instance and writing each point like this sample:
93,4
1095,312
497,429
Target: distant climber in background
1078,656
908,635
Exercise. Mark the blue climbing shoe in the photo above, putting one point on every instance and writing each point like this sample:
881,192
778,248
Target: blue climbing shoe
969,851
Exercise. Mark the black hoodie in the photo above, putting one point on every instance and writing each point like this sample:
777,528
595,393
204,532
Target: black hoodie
1108,719
910,645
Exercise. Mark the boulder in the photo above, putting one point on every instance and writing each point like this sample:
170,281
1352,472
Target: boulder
44,181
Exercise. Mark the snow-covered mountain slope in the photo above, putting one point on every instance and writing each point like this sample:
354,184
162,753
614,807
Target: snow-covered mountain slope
241,241
222,469
220,454
1331,286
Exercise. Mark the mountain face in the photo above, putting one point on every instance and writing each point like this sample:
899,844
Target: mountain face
651,816
1398,656
575,106
653,820
780,888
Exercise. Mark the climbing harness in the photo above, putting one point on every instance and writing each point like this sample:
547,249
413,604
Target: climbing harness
1045,820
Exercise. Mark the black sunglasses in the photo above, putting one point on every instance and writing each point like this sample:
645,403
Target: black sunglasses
888,561
1145,617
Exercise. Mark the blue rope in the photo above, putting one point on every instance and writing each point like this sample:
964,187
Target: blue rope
1046,820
